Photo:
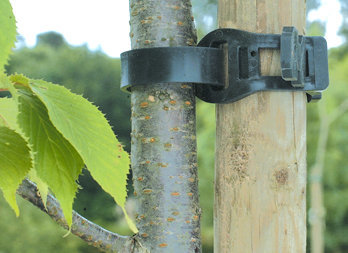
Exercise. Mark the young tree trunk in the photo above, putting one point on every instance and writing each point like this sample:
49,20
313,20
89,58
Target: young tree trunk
260,181
163,156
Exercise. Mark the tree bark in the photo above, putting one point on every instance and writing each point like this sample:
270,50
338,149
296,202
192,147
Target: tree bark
260,181
163,156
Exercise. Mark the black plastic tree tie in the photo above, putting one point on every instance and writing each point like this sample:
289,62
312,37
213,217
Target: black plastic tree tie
225,66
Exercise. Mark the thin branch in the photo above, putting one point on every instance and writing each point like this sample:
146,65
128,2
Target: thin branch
317,210
341,109
88,231
325,122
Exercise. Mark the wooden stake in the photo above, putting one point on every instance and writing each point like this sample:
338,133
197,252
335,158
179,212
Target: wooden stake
260,181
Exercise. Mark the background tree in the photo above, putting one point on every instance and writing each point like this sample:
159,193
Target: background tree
344,26
326,163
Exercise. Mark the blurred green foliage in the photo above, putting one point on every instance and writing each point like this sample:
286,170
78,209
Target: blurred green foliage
97,77
33,232
335,174
92,74
335,178
206,152
344,26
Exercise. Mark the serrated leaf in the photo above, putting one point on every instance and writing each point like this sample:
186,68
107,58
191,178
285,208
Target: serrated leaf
15,163
6,85
88,131
8,113
8,118
41,185
19,80
7,32
55,160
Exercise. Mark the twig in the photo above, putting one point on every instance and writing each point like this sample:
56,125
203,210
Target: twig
341,109
88,231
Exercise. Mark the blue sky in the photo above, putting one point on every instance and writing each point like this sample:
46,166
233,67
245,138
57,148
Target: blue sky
103,24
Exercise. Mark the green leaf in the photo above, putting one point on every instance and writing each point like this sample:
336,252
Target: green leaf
56,162
6,85
88,131
8,113
41,185
7,32
15,163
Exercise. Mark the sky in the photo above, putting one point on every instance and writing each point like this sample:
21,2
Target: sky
103,24
329,12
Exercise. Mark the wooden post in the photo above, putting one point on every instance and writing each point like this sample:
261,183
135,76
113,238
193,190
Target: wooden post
260,181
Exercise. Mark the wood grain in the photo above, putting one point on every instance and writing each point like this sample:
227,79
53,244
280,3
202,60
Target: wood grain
260,181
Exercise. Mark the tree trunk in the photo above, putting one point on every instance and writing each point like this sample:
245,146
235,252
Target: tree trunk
260,181
163,156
